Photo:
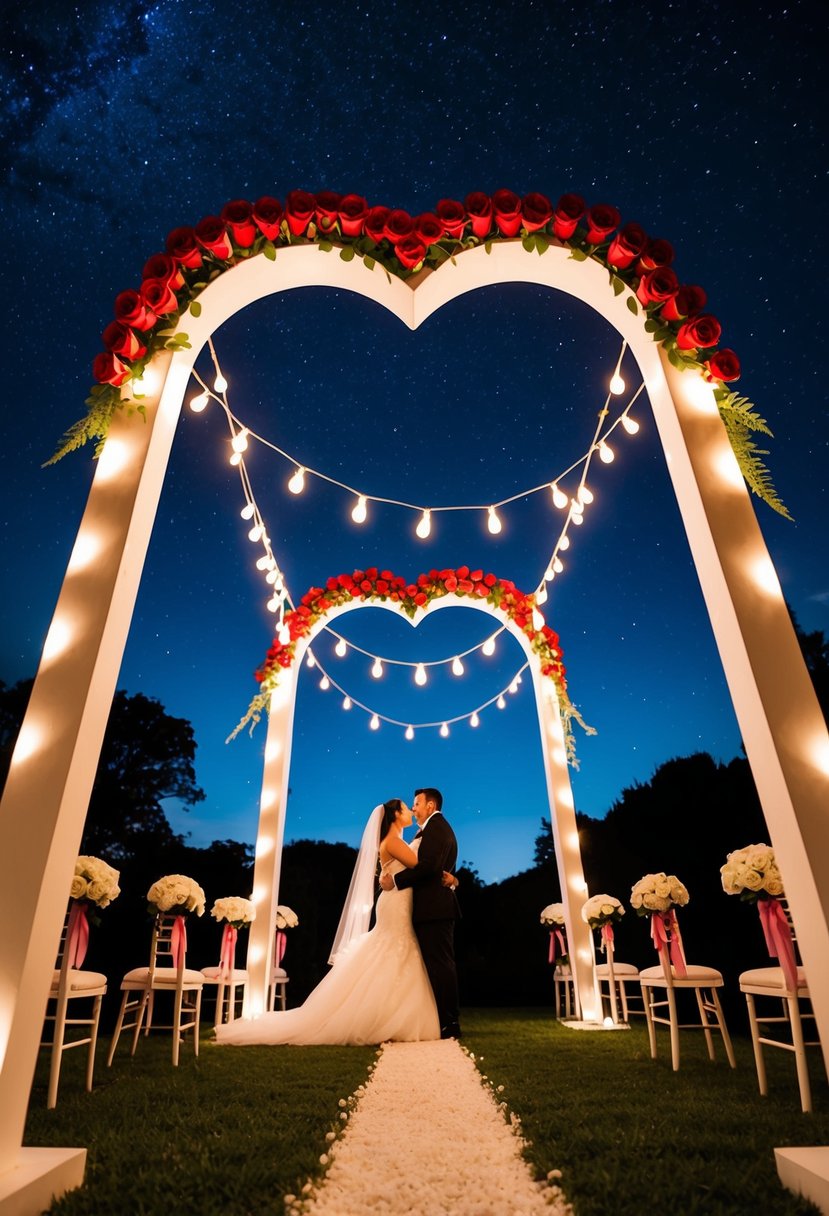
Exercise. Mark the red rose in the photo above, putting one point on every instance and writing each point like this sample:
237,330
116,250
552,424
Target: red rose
601,220
466,586
687,302
507,208
345,580
375,223
626,246
657,253
699,331
566,214
299,211
382,587
162,266
108,369
536,211
453,217
327,209
352,213
410,251
398,224
429,228
421,598
490,580
120,340
371,572
238,216
387,575
451,583
724,365
462,571
267,215
130,309
159,296
212,236
657,285
479,209
181,243
411,590
285,659
476,575
481,590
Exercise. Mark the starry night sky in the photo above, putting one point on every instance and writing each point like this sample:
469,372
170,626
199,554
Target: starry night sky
699,122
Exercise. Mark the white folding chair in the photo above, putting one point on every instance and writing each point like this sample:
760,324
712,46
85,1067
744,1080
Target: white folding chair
770,984
167,974
613,978
71,984
565,992
230,980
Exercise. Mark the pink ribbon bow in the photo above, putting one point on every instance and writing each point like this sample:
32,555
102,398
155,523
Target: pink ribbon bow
227,958
607,935
556,938
778,936
178,941
281,943
665,934
77,936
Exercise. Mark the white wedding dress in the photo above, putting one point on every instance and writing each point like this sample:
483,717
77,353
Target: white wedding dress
377,990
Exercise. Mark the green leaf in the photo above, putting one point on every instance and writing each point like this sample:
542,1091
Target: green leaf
195,308
347,254
325,246
578,255
529,243
488,246
618,285
633,305
651,326
269,250
369,262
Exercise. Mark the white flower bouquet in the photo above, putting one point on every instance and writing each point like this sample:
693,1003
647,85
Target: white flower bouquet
95,882
601,910
752,873
286,918
176,893
553,914
235,910
658,893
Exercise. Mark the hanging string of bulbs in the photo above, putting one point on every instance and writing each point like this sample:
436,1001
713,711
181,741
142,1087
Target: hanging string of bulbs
240,438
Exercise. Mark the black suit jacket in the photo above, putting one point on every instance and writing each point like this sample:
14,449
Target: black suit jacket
438,852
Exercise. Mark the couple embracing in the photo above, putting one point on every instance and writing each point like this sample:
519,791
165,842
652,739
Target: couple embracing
398,981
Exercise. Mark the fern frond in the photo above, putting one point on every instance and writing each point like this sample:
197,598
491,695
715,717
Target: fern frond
744,411
741,418
94,426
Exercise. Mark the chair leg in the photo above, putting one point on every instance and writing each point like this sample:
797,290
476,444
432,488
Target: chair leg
624,998
647,993
116,1034
703,1017
759,1062
93,1042
283,997
197,1020
674,1029
220,1003
800,1055
57,1055
144,1006
726,1037
177,1028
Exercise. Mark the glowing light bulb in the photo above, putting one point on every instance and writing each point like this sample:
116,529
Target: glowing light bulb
617,384
347,702
325,683
577,518
538,619
424,527
410,732
273,604
220,384
541,595
262,562
310,661
558,565
256,533
630,424
340,649
488,647
377,670
457,666
549,574
297,483
199,403
576,507
239,442
360,510
559,498
420,674
501,703
564,542
284,635
247,511
235,458
475,720
513,688
271,576
444,731
375,722
606,454
493,522
585,494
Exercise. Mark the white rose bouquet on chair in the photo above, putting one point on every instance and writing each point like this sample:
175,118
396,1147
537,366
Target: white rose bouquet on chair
752,873
237,911
95,882
177,894
658,893
553,915
601,912
286,918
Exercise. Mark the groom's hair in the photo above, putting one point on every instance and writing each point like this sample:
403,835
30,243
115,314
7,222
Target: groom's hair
432,795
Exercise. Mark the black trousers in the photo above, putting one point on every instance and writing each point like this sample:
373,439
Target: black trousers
436,939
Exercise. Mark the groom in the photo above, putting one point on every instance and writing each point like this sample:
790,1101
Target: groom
434,906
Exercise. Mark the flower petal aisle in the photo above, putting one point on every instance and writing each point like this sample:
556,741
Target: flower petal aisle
426,1135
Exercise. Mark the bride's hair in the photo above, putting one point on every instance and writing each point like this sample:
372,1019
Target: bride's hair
390,810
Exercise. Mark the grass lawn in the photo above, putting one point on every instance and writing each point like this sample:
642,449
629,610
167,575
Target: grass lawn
235,1130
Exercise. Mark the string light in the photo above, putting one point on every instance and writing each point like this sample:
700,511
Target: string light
630,424
617,384
457,666
564,542
501,703
424,527
247,511
549,574
560,499
340,649
420,675
538,620
585,495
235,458
493,523
297,483
541,594
262,562
606,453
558,565
410,732
256,533
273,604
488,647
444,731
220,384
310,661
375,722
284,635
377,670
199,402
360,510
325,683
239,442
347,702
577,519
474,720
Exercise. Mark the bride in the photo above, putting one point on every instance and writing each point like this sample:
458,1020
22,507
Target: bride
377,988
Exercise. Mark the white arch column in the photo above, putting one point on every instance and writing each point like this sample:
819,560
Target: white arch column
275,793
